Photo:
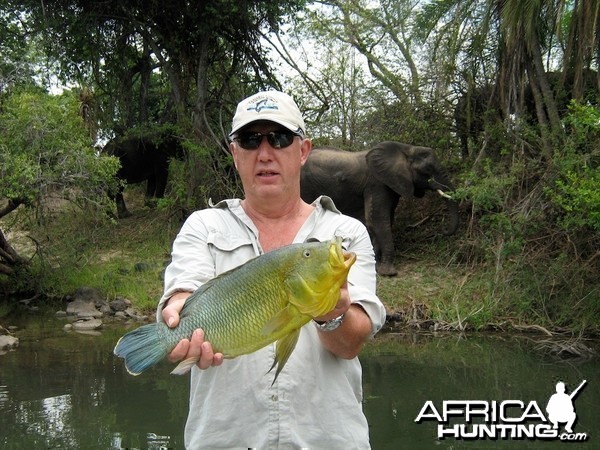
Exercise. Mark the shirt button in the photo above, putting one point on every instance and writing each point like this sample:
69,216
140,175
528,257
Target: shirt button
274,397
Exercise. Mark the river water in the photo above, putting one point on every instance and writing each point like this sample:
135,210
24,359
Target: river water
66,390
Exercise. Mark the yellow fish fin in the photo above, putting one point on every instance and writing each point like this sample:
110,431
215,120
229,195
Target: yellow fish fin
190,302
298,288
285,347
288,317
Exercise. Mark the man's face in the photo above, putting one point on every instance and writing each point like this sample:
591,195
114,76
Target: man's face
268,171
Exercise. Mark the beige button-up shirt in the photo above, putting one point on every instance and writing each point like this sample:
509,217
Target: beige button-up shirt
316,401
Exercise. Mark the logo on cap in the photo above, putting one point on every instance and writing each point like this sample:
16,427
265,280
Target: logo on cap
265,103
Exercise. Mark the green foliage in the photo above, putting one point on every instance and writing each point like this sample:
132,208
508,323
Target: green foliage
164,62
576,190
45,149
46,156
578,194
487,188
206,173
5,310
532,233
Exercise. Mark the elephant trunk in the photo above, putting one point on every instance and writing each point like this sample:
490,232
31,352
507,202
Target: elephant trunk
452,216
442,185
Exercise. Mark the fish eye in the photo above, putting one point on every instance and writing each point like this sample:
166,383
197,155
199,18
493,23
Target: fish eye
306,253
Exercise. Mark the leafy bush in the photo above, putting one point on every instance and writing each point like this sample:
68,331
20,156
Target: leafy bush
576,190
46,157
45,149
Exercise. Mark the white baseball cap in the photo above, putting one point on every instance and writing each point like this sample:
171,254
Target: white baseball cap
274,106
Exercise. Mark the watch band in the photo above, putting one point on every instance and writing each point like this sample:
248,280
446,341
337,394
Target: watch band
330,325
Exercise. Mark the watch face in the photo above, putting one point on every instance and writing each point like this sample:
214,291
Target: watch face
332,324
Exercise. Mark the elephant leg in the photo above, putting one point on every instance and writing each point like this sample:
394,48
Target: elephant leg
157,182
151,186
380,205
150,191
385,244
160,178
122,211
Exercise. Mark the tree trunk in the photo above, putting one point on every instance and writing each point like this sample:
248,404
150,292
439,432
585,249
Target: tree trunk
542,79
547,112
201,83
9,258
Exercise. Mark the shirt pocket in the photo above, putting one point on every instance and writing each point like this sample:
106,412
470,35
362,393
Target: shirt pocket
229,251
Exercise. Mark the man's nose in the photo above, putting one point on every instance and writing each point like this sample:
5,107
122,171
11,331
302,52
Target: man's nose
265,150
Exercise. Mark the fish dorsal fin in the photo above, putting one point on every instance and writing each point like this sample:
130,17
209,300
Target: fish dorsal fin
192,299
284,348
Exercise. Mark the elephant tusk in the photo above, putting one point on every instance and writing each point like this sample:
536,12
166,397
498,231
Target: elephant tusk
443,194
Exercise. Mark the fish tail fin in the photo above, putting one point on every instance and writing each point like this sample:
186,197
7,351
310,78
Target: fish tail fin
141,348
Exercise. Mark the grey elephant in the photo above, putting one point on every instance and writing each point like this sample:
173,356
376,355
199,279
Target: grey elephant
368,184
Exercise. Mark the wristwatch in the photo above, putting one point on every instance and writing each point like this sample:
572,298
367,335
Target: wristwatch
330,325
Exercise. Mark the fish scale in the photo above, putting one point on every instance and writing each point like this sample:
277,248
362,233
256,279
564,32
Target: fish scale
267,299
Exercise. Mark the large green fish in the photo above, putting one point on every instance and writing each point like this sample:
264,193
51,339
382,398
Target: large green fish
267,299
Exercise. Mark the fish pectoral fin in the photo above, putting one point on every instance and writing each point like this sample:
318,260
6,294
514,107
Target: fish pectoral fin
309,302
184,366
298,288
284,348
288,317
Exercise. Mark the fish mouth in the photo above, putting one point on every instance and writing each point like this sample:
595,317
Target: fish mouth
339,256
349,259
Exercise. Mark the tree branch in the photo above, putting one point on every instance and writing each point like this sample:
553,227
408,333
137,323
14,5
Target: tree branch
11,206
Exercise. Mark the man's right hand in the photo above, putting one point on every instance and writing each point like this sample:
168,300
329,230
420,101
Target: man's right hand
196,347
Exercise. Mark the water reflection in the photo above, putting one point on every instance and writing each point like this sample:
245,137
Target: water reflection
401,375
65,390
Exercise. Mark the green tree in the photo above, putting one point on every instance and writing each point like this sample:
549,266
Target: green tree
516,46
46,153
156,61
382,32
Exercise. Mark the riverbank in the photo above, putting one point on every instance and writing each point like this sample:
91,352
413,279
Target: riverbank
440,285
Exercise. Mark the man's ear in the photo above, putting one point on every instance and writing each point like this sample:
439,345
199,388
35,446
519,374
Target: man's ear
305,150
233,150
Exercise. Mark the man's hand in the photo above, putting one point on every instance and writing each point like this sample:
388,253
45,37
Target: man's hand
196,347
347,340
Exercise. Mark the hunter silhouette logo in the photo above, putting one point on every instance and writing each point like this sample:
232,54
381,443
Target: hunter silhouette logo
506,419
560,407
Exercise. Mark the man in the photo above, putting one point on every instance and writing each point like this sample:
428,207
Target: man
316,400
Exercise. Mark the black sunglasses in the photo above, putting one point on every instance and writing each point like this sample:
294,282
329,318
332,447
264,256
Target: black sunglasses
251,140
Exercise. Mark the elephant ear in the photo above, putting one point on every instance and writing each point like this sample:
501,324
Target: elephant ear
389,165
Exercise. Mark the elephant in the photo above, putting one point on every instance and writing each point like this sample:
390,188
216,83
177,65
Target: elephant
472,110
368,184
482,105
143,159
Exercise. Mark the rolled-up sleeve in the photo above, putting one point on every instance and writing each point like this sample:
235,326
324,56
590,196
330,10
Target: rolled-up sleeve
191,260
362,278
362,281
